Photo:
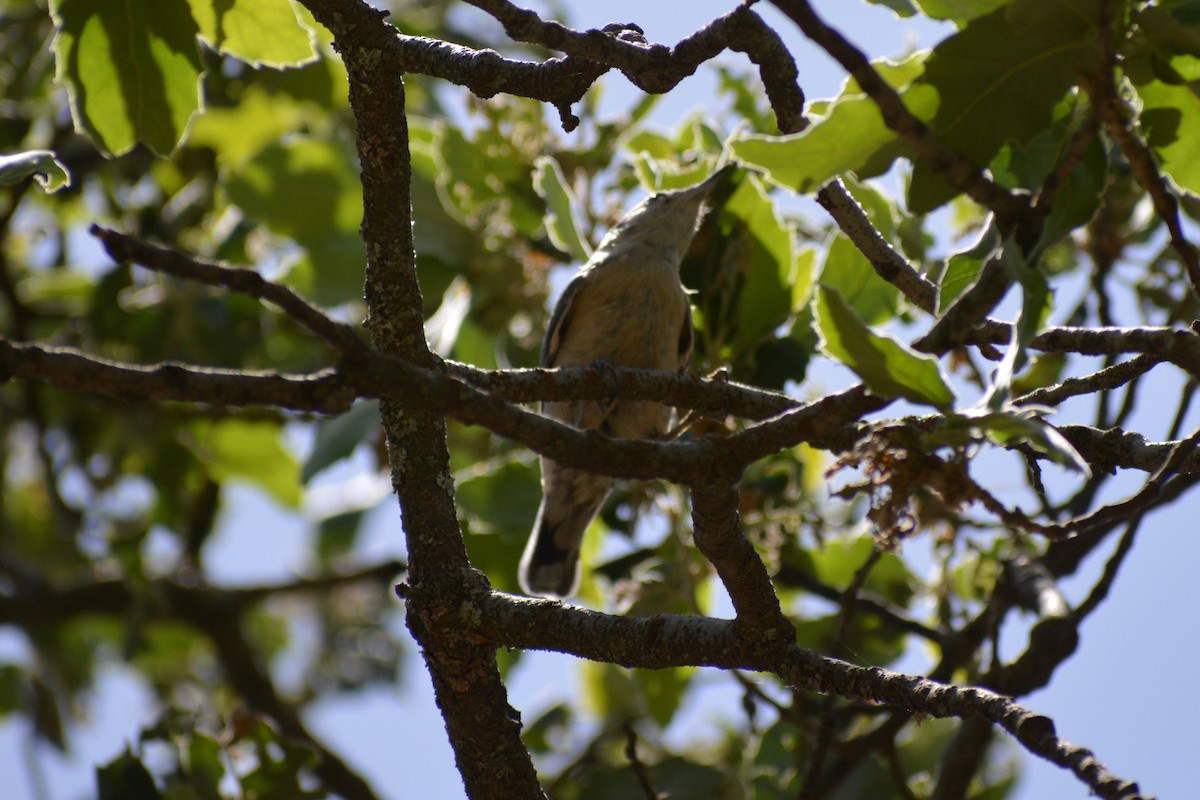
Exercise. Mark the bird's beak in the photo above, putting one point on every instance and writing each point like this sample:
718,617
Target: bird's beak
702,190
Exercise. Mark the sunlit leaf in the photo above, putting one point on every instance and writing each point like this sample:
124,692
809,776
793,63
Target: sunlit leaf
308,189
848,272
959,10
251,452
1171,119
259,32
560,221
132,76
851,137
889,368
963,268
42,165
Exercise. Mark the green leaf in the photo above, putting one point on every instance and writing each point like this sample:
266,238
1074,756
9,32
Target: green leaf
1171,119
851,137
838,559
131,75
250,452
308,190
1000,78
959,10
848,272
903,8
963,268
337,438
765,299
561,223
1009,426
258,32
13,687
238,133
125,778
337,534
652,143
615,693
205,766
503,497
43,165
889,368
1171,26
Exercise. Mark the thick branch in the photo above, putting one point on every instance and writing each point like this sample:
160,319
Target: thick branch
323,392
670,640
717,532
483,729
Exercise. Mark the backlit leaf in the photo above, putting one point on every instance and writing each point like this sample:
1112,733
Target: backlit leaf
889,368
132,73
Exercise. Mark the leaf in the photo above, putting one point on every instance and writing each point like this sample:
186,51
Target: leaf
889,368
14,684
308,190
50,173
250,452
1171,26
1000,78
560,221
616,694
125,778
1171,119
258,32
205,765
337,438
337,534
1009,426
238,133
852,137
131,76
903,8
765,299
959,10
848,272
503,498
963,268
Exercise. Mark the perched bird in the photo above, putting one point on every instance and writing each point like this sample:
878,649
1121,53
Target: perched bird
626,307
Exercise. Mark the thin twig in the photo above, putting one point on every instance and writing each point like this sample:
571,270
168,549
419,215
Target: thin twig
636,766
123,248
887,263
1118,122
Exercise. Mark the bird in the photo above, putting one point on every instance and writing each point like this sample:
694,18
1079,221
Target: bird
626,307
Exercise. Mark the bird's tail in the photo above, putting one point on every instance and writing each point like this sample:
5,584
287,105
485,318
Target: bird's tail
550,565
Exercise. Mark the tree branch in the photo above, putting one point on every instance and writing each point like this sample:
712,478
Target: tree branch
324,392
888,264
656,68
1118,121
483,729
341,337
957,169
667,640
717,532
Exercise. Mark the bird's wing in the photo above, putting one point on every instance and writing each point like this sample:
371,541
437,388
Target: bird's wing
559,320
687,339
